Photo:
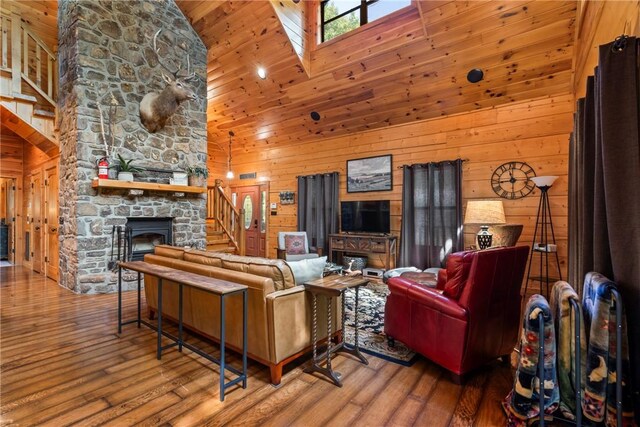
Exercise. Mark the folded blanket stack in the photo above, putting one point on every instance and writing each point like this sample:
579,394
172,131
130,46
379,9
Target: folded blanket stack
522,404
565,320
600,388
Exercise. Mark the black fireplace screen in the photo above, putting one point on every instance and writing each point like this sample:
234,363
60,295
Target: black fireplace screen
139,237
146,233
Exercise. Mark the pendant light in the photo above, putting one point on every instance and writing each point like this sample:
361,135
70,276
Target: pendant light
229,171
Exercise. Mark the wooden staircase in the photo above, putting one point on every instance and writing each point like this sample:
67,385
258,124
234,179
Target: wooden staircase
224,230
28,84
218,241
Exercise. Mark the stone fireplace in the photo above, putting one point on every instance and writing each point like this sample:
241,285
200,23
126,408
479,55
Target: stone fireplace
107,62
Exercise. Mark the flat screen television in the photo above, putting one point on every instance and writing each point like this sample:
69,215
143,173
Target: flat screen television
370,216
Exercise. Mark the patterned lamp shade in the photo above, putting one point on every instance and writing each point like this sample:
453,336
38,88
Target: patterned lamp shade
485,213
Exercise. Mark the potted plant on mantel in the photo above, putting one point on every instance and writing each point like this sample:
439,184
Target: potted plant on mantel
197,176
126,169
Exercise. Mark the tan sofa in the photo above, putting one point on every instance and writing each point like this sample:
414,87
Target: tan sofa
279,312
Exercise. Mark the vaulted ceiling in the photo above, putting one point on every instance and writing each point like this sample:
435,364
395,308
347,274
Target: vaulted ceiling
409,66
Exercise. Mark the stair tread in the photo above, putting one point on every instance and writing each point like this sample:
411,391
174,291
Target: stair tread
217,241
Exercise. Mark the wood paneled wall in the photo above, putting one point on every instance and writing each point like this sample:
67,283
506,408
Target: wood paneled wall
20,159
35,158
600,22
11,154
294,23
536,132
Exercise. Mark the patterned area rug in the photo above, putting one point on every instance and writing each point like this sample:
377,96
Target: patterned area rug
371,318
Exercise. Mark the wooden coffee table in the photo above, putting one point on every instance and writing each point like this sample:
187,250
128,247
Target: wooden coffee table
332,287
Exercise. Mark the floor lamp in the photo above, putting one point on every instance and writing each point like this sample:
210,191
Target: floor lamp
541,243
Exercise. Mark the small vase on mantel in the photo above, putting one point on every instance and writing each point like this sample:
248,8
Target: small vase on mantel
125,176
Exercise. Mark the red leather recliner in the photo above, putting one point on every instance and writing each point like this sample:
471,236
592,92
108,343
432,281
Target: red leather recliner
470,319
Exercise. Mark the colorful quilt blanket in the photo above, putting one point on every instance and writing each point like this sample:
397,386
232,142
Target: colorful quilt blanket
598,403
522,403
565,322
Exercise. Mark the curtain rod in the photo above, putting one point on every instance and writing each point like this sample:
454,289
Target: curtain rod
433,163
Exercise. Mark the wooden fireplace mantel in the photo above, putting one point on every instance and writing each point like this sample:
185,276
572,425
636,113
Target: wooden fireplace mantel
114,184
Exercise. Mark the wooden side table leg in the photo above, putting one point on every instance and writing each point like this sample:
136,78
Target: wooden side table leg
329,342
315,366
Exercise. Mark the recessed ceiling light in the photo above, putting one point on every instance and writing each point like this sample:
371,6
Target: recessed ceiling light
262,73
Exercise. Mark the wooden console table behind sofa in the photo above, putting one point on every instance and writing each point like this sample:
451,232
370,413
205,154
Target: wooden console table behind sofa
279,312
365,244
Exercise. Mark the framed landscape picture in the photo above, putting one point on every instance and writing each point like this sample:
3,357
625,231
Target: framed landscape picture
369,174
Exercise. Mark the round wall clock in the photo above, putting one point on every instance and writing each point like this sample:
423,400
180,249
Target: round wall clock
512,180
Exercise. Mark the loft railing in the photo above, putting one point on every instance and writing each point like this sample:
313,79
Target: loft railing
226,217
27,58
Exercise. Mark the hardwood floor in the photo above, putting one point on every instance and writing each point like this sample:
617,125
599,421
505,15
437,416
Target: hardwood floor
62,362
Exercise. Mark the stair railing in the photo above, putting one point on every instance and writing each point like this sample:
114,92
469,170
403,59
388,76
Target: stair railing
27,58
226,217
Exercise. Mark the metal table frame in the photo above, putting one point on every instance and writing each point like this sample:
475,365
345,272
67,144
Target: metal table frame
353,349
179,341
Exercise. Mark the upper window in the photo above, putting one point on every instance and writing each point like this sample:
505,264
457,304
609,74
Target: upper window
341,16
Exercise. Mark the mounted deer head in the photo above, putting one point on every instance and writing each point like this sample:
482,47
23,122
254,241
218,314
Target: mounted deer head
157,107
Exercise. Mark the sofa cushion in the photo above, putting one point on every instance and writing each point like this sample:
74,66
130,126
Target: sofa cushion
169,251
294,244
306,270
458,266
275,269
202,259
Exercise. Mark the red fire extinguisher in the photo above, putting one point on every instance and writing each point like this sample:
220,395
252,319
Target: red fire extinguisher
103,168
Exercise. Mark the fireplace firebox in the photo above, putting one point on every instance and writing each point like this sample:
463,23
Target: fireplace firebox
144,234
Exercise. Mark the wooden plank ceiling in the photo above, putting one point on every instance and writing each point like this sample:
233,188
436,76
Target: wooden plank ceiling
409,66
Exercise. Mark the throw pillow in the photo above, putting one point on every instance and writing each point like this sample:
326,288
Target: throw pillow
307,270
294,244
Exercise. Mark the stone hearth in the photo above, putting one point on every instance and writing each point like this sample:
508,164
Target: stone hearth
105,58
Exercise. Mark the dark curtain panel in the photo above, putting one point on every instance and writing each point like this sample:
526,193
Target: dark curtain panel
605,188
431,213
318,207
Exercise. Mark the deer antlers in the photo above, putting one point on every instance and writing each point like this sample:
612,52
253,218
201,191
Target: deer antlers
156,49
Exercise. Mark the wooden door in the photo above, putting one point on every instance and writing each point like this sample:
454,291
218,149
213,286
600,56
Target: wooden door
37,222
249,200
51,222
6,213
11,219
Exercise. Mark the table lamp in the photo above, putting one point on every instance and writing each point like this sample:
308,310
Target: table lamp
484,213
